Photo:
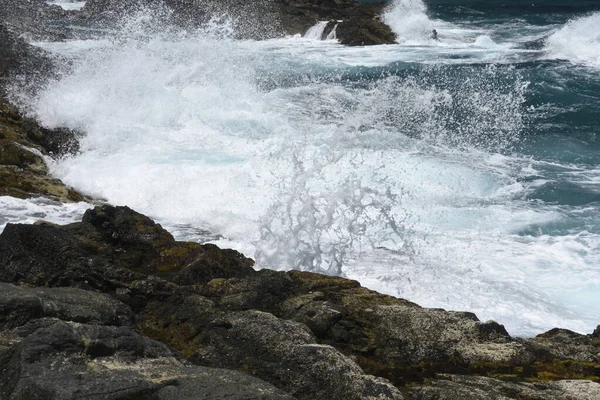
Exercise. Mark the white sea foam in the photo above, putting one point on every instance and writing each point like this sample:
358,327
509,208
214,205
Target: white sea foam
68,5
578,41
397,182
316,31
19,211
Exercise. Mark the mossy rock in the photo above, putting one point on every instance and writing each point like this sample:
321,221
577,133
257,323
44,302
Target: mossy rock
21,183
12,153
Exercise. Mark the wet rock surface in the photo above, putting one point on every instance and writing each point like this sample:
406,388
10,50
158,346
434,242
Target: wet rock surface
114,307
23,142
23,145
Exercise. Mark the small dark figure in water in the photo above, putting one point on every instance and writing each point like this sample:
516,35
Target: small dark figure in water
434,35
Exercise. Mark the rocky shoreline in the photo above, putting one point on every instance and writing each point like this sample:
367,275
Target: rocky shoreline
113,307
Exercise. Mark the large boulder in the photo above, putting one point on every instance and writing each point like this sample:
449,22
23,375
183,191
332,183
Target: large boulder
73,361
20,305
364,31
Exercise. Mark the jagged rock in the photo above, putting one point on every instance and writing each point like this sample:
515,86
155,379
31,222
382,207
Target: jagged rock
17,57
313,336
23,172
113,248
45,255
454,387
34,18
264,18
19,305
364,32
73,361
566,344
24,184
138,243
284,353
12,153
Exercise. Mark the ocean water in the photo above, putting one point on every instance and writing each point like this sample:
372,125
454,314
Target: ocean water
69,5
462,173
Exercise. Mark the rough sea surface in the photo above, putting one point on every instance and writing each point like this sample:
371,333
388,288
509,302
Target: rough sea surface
462,173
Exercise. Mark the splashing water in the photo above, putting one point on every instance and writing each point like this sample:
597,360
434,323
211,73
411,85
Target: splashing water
316,31
401,175
578,41
409,20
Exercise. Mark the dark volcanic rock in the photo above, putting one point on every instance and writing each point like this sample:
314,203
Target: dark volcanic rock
479,388
284,353
310,335
114,247
363,31
35,18
46,255
19,305
72,361
260,19
17,57
138,243
23,172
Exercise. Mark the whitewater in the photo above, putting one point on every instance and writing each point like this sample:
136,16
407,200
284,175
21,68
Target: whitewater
462,173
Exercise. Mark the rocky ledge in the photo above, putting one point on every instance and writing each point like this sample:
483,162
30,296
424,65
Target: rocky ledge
114,308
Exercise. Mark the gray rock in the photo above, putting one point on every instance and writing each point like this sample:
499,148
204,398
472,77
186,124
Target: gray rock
455,387
19,305
73,361
566,344
284,353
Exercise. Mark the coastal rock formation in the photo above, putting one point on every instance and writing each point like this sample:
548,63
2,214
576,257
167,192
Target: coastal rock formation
359,23
23,142
113,306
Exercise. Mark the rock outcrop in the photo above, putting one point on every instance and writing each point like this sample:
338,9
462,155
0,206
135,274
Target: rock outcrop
23,142
114,307
359,23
